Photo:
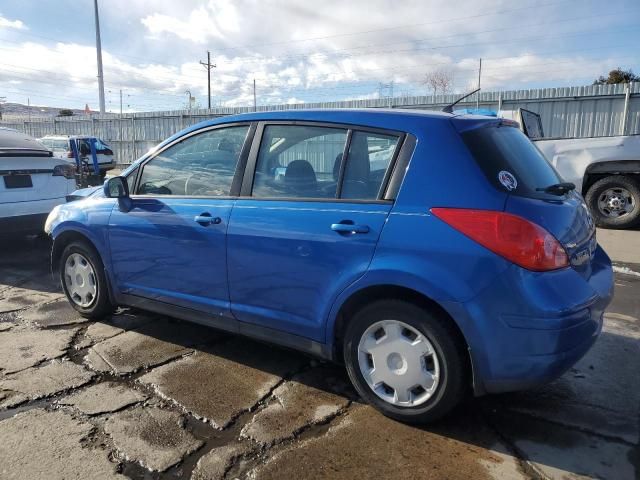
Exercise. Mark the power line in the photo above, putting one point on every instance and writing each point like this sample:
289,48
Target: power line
177,77
535,5
343,52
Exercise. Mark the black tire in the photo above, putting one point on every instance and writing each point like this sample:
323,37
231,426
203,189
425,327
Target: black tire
101,304
628,220
450,351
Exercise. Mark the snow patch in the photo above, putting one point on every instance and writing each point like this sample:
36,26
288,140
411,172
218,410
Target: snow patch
626,271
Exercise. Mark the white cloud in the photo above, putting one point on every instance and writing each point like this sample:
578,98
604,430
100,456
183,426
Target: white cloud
303,51
16,24
202,24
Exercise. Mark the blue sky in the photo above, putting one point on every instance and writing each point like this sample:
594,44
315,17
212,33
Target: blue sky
304,51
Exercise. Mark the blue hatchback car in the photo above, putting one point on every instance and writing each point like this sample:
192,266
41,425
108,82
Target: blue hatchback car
431,253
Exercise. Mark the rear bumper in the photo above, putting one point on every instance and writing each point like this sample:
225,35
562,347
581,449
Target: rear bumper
19,218
526,329
531,367
106,166
23,224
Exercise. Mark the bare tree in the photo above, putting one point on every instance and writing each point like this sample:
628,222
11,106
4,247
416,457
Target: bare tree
439,81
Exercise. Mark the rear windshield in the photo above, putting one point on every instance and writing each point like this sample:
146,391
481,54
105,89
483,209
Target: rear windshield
510,161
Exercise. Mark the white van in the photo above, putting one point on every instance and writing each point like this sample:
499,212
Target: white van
32,182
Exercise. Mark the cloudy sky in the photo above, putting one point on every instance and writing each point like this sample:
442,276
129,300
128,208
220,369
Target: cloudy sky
304,51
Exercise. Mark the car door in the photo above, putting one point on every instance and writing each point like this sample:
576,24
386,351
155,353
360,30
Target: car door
307,222
104,153
170,245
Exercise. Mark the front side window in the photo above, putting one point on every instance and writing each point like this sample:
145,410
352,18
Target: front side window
131,179
297,161
200,165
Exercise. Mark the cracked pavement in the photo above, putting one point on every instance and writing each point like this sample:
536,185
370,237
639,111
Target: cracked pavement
143,396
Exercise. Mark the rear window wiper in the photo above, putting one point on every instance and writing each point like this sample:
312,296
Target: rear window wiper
558,188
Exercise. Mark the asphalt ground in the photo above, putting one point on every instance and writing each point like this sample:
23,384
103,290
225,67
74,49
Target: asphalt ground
144,396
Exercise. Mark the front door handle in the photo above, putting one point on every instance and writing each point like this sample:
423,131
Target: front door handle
349,228
205,219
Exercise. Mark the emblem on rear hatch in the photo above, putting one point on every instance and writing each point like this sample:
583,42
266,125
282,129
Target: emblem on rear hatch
507,180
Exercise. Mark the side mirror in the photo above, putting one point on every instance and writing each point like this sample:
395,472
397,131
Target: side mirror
116,187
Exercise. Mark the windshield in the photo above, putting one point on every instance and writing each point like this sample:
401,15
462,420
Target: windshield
510,161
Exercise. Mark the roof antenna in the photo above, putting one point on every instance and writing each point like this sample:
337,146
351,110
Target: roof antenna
449,108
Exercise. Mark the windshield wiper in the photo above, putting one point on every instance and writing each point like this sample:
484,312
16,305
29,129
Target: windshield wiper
558,188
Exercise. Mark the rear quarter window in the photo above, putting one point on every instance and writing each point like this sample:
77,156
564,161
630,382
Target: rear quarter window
500,148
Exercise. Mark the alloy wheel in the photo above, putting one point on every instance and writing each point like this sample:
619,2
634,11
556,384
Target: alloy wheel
616,202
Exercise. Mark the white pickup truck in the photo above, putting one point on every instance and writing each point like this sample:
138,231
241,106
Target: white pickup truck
606,170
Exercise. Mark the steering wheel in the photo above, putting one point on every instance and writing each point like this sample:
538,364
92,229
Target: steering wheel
186,184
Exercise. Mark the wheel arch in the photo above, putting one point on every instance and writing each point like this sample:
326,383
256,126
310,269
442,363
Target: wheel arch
359,298
64,238
599,170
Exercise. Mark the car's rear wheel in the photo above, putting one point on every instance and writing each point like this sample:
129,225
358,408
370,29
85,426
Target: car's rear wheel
405,360
83,280
614,202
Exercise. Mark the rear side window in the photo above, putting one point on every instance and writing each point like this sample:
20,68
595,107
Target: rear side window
102,147
510,161
299,162
369,157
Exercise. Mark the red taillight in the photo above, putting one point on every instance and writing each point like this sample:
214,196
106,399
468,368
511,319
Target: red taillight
510,236
69,154
66,170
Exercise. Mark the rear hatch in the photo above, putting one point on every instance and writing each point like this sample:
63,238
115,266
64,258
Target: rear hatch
28,171
513,164
25,179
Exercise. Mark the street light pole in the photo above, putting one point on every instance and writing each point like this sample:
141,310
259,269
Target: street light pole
99,55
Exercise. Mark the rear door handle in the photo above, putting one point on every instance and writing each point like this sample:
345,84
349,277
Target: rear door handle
349,228
205,219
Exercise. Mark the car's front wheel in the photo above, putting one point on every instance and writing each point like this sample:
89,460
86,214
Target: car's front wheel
405,360
83,280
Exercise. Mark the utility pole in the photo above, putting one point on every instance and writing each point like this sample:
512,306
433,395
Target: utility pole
479,76
120,121
255,105
208,66
99,55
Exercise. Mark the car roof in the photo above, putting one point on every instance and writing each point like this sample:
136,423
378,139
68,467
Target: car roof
346,115
384,118
66,137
